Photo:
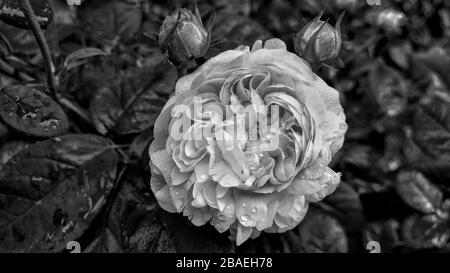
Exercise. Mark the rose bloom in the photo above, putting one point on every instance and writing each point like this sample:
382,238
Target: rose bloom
229,177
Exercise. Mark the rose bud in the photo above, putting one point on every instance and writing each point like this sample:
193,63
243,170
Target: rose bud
318,41
183,37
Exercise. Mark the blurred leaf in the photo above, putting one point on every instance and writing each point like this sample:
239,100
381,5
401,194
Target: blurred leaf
131,105
107,21
400,54
11,13
362,160
9,149
321,233
51,191
151,236
346,205
314,6
383,205
239,7
388,88
386,233
84,81
418,192
361,156
31,111
425,232
431,128
233,30
437,60
436,170
3,129
21,40
80,57
143,227
106,242
140,143
282,17
187,238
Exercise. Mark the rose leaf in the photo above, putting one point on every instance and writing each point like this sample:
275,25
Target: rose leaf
418,192
51,191
11,13
132,105
31,111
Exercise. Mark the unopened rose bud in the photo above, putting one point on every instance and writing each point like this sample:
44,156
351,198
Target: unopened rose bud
183,36
318,41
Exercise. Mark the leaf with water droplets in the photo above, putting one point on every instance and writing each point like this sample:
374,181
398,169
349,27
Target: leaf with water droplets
426,231
12,13
51,191
431,128
418,192
31,111
9,149
387,88
436,60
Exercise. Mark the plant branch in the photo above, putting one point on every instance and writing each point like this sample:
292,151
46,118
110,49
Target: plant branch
76,109
43,46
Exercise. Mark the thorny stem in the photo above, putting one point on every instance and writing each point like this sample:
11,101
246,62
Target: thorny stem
43,46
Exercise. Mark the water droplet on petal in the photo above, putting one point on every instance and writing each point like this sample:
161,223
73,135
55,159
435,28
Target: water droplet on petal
229,147
50,122
36,178
245,218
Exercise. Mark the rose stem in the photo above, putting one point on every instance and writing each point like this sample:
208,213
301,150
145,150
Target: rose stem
43,46
49,67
